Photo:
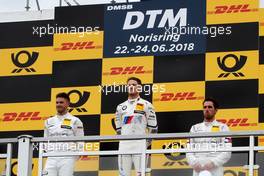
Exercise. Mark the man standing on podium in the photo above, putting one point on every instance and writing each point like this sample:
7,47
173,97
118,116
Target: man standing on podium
135,116
63,124
209,163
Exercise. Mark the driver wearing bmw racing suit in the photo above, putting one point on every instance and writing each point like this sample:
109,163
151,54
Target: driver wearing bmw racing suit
135,116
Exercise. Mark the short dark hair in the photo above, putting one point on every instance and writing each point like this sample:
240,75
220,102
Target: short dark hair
135,79
63,95
215,103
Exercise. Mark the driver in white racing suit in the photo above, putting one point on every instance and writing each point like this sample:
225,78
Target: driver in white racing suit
211,161
135,116
62,125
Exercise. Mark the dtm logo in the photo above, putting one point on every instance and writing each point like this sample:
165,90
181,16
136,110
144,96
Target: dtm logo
30,60
174,157
239,63
77,46
179,96
242,122
127,70
82,99
135,19
23,116
232,9
119,7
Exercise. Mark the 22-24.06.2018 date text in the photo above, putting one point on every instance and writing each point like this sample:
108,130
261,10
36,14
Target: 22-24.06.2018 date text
154,48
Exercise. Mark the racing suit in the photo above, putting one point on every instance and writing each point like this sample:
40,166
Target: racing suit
134,117
62,126
217,158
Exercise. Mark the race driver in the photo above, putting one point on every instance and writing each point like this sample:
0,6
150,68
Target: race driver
135,116
62,125
210,161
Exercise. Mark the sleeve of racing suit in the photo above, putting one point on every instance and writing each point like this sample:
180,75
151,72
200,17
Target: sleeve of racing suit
118,120
152,124
223,157
46,132
151,119
78,131
191,158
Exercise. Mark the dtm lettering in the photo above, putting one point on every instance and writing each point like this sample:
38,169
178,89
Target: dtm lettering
146,29
232,9
127,70
135,19
77,46
23,116
179,96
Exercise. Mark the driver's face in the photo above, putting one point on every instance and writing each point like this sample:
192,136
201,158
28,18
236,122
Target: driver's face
61,105
133,87
209,110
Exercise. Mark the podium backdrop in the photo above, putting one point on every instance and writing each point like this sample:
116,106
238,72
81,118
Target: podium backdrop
121,41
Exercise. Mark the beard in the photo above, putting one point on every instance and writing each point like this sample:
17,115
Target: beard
208,116
132,94
61,110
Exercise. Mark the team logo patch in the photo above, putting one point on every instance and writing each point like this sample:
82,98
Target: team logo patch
124,108
128,119
66,124
139,109
215,129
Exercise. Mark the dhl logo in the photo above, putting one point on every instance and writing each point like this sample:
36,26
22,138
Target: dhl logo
23,116
78,46
232,9
242,122
179,96
261,140
127,70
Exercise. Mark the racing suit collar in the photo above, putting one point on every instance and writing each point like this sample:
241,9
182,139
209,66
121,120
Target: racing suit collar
133,100
210,123
62,116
